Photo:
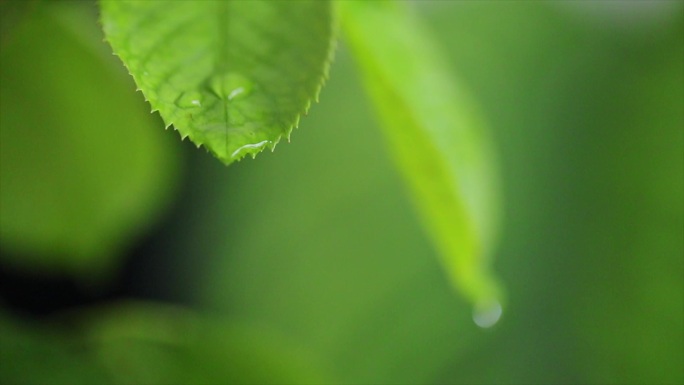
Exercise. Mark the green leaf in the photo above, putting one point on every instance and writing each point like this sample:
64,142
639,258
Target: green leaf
41,353
234,76
79,179
147,343
437,139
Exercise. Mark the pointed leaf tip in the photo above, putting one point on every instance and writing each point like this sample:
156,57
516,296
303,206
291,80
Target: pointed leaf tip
437,139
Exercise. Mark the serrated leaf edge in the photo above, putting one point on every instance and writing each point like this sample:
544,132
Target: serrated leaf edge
330,58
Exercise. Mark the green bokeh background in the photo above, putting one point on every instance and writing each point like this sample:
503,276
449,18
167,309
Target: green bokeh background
308,265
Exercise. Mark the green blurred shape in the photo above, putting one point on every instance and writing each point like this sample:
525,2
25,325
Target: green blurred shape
438,140
145,343
33,353
82,169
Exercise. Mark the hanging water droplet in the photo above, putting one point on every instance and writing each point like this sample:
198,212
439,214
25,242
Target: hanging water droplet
230,86
487,314
190,99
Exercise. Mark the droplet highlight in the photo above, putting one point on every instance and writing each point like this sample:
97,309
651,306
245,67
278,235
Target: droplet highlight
189,100
251,148
487,314
235,93
230,86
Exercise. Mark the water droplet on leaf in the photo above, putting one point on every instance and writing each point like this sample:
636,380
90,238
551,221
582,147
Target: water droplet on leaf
230,86
189,100
252,148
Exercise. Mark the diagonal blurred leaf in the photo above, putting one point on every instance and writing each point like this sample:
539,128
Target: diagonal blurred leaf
437,139
234,76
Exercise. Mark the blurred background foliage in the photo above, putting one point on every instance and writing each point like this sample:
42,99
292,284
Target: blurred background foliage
129,256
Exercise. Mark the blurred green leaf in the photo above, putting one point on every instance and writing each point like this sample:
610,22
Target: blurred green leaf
144,343
234,76
31,353
438,141
82,170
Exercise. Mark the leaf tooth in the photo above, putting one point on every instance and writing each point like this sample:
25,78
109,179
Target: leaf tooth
288,132
329,60
332,50
227,83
